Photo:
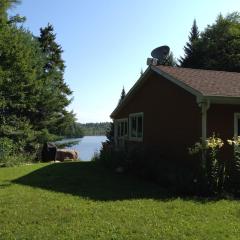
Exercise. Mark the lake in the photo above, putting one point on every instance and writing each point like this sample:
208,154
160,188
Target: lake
86,146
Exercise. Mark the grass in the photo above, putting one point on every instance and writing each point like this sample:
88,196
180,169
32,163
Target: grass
83,201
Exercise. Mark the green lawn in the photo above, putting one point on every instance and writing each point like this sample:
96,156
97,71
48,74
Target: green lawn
84,201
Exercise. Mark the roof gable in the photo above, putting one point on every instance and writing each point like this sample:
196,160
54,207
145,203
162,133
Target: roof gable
209,84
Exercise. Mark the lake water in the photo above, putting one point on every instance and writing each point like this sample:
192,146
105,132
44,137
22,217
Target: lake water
87,146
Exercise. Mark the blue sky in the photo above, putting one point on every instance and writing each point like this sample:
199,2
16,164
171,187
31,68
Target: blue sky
106,43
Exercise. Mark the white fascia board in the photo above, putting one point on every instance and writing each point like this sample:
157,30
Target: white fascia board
223,100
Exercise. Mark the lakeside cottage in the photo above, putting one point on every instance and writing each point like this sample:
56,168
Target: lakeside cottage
170,108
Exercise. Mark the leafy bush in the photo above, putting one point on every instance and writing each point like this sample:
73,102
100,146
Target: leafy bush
149,165
111,157
11,154
213,168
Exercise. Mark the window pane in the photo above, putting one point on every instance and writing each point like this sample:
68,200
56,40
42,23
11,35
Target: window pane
133,126
140,126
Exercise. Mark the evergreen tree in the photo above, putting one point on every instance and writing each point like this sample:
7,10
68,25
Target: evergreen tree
218,46
170,60
5,5
190,57
123,94
21,65
55,95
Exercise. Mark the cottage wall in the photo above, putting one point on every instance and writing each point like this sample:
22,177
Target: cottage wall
172,118
220,120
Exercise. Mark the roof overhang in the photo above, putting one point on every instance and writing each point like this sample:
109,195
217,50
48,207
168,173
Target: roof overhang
200,98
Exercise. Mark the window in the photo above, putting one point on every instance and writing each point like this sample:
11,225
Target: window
122,127
136,126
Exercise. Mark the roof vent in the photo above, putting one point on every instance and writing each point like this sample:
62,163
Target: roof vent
158,55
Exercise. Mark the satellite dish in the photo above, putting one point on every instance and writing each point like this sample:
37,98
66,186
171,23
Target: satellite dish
160,53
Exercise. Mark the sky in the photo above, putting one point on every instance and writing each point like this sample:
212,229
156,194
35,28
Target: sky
106,42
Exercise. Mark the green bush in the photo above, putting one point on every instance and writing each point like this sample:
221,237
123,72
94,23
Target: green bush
150,165
12,154
111,157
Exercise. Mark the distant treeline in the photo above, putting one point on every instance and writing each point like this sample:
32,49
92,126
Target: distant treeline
95,129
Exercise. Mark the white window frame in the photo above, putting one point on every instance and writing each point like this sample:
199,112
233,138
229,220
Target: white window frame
236,117
119,121
139,139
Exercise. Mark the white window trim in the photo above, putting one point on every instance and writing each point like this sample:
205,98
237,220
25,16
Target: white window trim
119,121
236,117
137,139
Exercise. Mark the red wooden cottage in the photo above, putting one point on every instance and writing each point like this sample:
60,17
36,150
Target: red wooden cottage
170,108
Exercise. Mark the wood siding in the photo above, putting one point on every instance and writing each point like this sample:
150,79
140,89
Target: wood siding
172,118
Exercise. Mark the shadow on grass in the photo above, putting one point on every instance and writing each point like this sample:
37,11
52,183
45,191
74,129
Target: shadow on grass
89,180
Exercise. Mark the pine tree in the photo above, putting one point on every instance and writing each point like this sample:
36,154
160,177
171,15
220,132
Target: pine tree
55,95
189,57
21,68
218,46
170,60
4,6
123,94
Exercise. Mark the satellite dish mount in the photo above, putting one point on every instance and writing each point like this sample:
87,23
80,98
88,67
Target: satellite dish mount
159,55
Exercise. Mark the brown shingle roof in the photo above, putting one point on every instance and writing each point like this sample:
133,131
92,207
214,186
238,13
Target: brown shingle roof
206,82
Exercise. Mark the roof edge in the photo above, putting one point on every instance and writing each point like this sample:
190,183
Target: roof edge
177,82
131,91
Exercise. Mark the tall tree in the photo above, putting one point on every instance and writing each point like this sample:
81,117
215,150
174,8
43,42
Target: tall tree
123,94
170,60
56,93
21,65
4,6
218,46
190,57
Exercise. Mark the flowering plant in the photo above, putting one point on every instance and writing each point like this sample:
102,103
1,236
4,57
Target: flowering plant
234,141
214,142
210,143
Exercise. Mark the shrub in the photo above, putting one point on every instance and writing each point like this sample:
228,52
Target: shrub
149,165
111,157
213,169
12,154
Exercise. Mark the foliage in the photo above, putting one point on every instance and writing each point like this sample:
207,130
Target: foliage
213,167
234,175
55,92
149,165
110,133
189,58
170,60
95,129
123,94
12,154
34,95
4,6
219,39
